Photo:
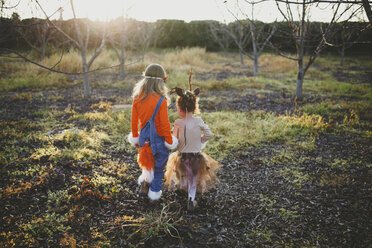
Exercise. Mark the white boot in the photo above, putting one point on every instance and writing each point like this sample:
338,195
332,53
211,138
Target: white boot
146,175
153,196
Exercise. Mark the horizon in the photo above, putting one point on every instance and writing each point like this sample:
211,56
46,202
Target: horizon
151,11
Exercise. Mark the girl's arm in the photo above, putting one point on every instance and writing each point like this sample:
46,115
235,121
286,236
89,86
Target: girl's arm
176,128
206,132
165,128
133,137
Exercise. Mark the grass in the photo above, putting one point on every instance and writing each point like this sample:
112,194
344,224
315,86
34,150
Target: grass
251,129
161,223
92,142
276,64
277,72
72,144
257,127
32,80
294,176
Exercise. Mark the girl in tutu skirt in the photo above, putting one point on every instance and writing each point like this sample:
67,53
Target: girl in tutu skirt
188,168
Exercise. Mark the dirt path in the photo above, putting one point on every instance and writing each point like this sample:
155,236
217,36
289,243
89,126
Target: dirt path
271,195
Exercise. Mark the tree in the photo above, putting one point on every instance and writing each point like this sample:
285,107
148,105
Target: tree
301,33
172,34
81,43
121,33
7,5
37,33
235,32
146,36
368,10
239,34
347,35
252,30
218,31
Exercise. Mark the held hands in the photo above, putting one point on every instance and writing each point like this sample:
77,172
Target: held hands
173,145
133,140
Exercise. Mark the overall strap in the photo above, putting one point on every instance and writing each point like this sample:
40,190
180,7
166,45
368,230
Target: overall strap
157,107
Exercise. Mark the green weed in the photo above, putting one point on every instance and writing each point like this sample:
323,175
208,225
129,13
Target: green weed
294,176
264,234
266,203
57,199
335,180
45,227
109,184
76,144
31,171
289,214
153,224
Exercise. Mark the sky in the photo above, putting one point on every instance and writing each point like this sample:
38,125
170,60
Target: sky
152,10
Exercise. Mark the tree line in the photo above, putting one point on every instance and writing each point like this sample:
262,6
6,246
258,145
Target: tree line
37,34
299,40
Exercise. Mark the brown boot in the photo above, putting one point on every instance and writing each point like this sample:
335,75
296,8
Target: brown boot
144,189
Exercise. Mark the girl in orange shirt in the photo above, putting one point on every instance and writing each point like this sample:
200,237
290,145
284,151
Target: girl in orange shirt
150,110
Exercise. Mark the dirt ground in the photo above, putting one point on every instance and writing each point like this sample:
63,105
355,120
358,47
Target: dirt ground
253,206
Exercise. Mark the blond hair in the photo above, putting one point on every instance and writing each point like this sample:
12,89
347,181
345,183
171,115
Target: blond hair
148,86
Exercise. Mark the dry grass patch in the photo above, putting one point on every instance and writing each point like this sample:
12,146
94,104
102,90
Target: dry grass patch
275,63
71,61
335,180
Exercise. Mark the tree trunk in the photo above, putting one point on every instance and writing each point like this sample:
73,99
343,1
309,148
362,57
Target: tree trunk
122,61
241,58
368,10
300,79
86,82
255,52
300,54
342,55
43,49
85,75
255,65
122,70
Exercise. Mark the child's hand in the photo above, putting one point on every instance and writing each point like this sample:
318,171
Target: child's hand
173,145
133,141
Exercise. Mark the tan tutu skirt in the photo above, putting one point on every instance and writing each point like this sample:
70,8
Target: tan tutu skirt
181,166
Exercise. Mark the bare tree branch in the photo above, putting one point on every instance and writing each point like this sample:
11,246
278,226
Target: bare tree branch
56,27
323,1
99,50
368,10
257,36
58,71
300,31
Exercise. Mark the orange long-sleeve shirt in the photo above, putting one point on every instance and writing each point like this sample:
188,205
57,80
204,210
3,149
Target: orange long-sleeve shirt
142,111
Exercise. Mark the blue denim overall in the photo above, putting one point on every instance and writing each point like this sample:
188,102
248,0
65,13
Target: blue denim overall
159,151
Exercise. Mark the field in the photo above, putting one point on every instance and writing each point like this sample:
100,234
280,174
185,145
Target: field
294,173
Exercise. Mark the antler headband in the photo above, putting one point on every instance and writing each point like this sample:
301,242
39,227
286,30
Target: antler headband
179,91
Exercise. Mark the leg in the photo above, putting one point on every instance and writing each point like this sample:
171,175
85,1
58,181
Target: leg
147,175
144,180
191,164
192,188
160,161
146,162
155,188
